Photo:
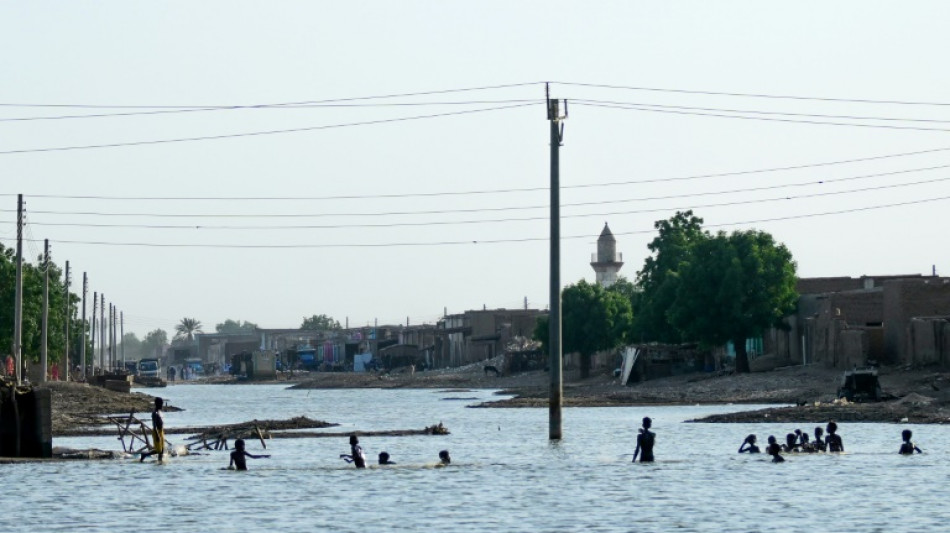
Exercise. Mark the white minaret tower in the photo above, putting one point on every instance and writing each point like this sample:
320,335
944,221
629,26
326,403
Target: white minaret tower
606,263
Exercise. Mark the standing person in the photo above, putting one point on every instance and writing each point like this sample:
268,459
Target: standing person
908,447
238,461
645,441
356,453
833,441
158,432
171,373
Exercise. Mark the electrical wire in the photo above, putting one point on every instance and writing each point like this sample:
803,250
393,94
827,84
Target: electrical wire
485,241
482,221
495,209
484,191
268,107
260,133
638,105
751,95
765,119
304,102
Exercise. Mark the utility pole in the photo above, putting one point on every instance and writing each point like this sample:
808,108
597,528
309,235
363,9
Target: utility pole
44,346
122,335
18,301
102,332
95,306
69,317
554,321
82,349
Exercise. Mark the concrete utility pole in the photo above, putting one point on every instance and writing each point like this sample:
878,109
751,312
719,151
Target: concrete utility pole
82,349
554,321
69,318
44,347
102,332
18,299
95,306
122,335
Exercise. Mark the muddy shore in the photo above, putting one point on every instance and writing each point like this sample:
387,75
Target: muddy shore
801,394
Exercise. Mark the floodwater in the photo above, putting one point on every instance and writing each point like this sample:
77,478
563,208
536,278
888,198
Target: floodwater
505,475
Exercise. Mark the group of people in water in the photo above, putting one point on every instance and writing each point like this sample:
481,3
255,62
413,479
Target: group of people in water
358,458
799,442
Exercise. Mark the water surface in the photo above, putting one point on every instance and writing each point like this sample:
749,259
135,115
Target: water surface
505,475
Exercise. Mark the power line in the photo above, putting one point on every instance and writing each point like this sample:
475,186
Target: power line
638,105
765,119
494,209
485,241
268,107
304,102
752,95
483,191
482,221
260,133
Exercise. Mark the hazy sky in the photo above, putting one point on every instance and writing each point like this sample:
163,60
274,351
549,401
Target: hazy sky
389,220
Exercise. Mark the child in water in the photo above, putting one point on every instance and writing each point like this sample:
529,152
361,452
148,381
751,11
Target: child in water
444,458
356,453
645,441
238,461
834,442
158,432
748,445
908,447
819,443
384,459
774,449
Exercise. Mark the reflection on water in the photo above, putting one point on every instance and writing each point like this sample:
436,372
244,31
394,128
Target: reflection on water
505,475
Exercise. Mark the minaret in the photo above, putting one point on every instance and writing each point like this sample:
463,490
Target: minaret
605,263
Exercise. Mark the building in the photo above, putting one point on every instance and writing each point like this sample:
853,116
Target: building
473,336
606,263
843,322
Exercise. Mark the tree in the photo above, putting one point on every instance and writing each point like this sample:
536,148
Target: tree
593,319
235,327
659,280
154,343
187,328
733,287
131,346
320,323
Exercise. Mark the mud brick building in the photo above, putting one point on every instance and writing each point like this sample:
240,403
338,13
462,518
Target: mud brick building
843,322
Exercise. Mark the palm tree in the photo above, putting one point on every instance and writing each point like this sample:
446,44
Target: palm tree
186,329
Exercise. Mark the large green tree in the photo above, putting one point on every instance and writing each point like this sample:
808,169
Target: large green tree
592,319
62,308
659,280
187,328
235,327
320,323
731,288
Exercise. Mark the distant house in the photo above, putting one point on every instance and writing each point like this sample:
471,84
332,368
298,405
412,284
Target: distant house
473,336
843,322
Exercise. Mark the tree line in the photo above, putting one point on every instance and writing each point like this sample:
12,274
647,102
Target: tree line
696,286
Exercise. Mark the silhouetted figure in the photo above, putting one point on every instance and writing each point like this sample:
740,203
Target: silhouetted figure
748,445
238,456
158,432
908,447
791,443
774,449
645,441
384,459
819,443
444,458
356,453
834,442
